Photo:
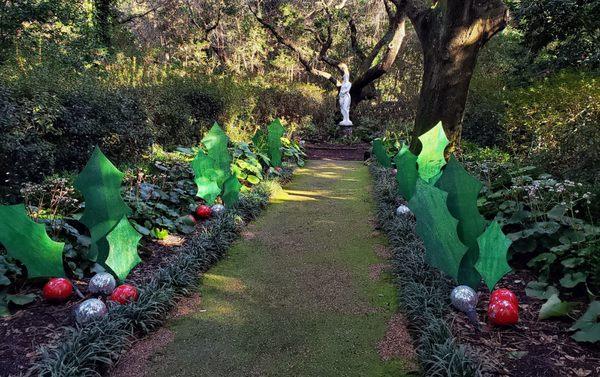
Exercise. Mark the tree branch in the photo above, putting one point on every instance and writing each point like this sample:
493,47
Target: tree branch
139,15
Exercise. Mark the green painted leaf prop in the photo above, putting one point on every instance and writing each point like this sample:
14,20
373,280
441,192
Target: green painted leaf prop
123,242
276,132
205,176
100,184
431,159
406,176
28,242
215,141
462,191
260,142
493,246
381,154
437,228
588,325
231,191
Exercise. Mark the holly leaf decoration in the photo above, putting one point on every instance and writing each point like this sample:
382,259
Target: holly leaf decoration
588,324
463,191
231,191
260,142
493,246
555,307
205,176
431,159
437,228
406,175
381,154
123,242
100,184
215,141
276,132
28,242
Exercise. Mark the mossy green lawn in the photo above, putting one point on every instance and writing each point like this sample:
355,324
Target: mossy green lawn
294,296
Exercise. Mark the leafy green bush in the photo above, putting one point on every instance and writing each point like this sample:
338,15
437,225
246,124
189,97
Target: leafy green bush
556,122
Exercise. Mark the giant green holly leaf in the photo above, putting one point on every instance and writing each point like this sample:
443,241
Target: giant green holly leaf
231,191
437,228
276,132
406,175
205,176
100,184
462,191
123,242
216,142
381,154
431,159
493,246
28,242
260,142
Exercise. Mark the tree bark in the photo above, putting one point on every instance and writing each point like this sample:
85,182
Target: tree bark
451,34
103,21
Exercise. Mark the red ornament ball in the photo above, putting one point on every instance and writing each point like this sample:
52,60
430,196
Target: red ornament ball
504,294
57,290
503,313
124,293
203,211
278,169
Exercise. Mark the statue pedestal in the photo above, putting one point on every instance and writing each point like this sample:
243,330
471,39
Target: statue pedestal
346,128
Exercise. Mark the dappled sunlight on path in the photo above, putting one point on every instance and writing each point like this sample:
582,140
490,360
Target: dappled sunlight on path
295,296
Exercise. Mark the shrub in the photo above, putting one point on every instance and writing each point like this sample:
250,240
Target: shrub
556,123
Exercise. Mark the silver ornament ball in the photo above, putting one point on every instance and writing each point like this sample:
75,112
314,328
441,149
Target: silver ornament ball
402,210
89,310
464,298
103,283
218,209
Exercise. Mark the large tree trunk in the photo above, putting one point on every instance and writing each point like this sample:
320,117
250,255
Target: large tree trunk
451,36
103,21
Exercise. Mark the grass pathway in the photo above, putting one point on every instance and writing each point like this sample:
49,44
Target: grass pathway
299,295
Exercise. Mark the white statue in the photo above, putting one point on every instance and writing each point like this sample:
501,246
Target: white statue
345,100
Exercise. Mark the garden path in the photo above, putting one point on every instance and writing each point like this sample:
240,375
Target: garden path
303,293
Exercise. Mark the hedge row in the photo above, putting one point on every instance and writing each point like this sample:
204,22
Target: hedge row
90,350
423,291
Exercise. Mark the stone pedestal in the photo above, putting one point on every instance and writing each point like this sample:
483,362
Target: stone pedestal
345,130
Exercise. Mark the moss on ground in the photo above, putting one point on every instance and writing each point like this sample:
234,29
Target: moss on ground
294,297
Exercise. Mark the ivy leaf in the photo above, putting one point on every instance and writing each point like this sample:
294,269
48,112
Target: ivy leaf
216,142
437,228
28,242
205,176
493,246
406,176
276,132
100,184
463,191
588,325
555,307
123,242
431,159
231,191
381,154
571,280
540,290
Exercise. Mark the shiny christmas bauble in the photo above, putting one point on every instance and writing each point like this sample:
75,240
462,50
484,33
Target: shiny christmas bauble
57,290
102,283
504,294
217,209
464,298
402,210
124,293
90,310
394,171
503,313
203,211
